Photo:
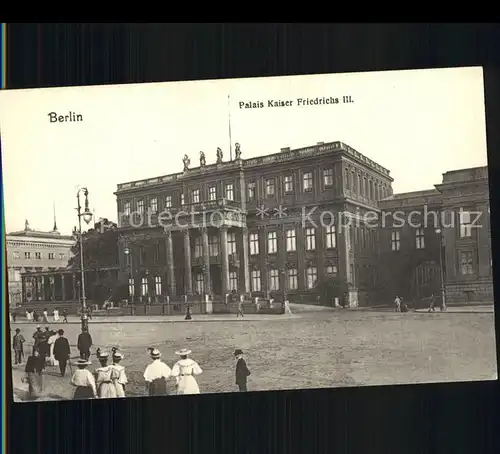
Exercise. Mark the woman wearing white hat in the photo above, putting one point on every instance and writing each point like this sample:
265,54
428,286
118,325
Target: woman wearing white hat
105,377
156,374
84,381
121,380
184,371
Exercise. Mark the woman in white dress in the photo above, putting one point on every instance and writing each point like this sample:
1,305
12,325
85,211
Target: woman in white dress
28,315
121,379
51,341
184,371
56,314
105,377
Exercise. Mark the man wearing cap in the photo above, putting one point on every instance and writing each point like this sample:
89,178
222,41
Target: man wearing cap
62,352
156,374
242,371
17,345
184,371
84,343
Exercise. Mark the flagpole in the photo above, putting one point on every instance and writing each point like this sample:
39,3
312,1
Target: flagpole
230,141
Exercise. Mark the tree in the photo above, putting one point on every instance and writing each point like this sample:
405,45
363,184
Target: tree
100,246
332,287
108,289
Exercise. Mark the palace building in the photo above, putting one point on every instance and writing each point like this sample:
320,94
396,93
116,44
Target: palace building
260,226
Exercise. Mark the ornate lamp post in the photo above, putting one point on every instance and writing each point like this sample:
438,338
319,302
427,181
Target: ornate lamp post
439,232
87,215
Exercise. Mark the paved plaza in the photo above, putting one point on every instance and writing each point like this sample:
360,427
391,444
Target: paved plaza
324,348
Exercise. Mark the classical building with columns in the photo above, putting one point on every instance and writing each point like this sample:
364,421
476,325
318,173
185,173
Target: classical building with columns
261,226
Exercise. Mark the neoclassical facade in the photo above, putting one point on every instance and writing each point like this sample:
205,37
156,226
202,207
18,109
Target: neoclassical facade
262,226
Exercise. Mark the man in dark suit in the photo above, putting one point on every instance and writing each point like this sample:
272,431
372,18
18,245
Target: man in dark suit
242,371
62,352
84,343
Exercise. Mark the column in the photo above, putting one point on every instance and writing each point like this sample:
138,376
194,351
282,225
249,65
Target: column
244,261
224,260
206,260
63,287
170,264
23,289
188,278
282,258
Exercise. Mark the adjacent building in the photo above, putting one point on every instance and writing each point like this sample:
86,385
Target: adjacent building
260,226
32,250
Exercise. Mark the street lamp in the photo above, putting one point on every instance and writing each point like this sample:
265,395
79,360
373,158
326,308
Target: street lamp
439,232
87,215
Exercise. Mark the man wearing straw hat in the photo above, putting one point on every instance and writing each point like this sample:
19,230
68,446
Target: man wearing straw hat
156,374
84,381
184,371
242,371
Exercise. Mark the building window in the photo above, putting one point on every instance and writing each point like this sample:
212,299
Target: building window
158,283
233,281
466,262
15,254
272,242
140,206
126,208
196,195
38,255
168,201
199,283
358,184
331,270
370,189
310,239
274,280
144,286
311,276
288,183
420,238
465,224
395,240
131,287
51,256
153,205
307,181
231,243
256,286
229,191
61,256
213,245
198,247
328,177
365,190
254,244
331,240
183,200
292,279
251,190
291,240
270,187
212,193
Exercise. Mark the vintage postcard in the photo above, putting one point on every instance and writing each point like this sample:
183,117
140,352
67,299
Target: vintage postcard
248,235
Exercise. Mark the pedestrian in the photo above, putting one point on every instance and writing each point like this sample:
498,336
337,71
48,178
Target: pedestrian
156,374
45,315
56,314
14,315
84,381
432,303
242,372
37,338
287,307
240,307
17,345
397,304
43,346
84,343
62,352
188,313
51,341
65,315
105,377
184,371
35,316
34,368
121,379
28,315
345,300
89,312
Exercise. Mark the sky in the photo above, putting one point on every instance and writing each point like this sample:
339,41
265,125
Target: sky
418,124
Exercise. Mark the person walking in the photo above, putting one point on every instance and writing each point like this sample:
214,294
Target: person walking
240,307
121,380
84,381
432,303
51,341
242,372
65,315
34,369
287,309
62,352
37,338
105,377
84,343
397,304
156,374
184,371
45,315
18,346
56,314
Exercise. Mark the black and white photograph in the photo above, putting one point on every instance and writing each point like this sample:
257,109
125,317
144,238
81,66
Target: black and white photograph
243,235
